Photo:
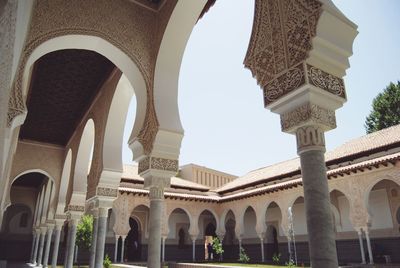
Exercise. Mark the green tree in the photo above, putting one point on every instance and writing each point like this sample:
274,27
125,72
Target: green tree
84,232
385,109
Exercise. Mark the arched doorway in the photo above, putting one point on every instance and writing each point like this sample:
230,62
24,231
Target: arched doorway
273,219
207,224
230,249
133,241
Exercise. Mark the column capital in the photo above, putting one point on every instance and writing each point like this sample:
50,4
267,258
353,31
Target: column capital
103,212
43,230
153,166
309,138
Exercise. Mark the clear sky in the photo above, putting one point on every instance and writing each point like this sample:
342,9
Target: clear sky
221,106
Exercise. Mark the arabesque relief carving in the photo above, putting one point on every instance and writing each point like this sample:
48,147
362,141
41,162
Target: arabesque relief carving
158,163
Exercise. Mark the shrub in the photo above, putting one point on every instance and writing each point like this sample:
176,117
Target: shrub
276,258
107,262
243,256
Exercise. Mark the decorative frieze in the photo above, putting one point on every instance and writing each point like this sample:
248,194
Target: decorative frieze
110,192
306,114
326,81
76,208
310,138
289,81
158,164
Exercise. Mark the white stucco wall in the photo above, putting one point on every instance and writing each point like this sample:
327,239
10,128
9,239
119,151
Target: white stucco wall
379,210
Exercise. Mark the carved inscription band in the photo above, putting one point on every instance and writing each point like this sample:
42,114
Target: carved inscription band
298,76
158,163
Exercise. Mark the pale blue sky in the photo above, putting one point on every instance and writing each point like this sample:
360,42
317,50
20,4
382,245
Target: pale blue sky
221,106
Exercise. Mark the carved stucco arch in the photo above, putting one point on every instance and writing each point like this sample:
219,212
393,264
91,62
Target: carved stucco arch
261,223
337,215
64,182
52,203
212,211
223,219
395,178
170,209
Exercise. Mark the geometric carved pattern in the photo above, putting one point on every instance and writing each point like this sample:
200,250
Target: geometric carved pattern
158,163
281,38
306,114
64,85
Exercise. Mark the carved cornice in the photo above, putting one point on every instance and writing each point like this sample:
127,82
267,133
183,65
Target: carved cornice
310,138
308,114
158,163
326,81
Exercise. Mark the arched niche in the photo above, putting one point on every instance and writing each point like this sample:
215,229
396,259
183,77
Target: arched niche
382,203
230,226
178,219
273,218
340,206
249,223
65,177
299,216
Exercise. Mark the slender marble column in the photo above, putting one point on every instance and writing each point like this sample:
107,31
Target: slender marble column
47,248
101,237
156,196
94,239
35,252
33,247
116,248
311,149
360,239
56,244
371,257
122,247
194,249
262,249
76,254
41,245
71,245
240,244
163,248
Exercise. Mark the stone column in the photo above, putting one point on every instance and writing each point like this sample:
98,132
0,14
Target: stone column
35,251
71,244
116,248
101,237
262,249
156,196
360,239
371,257
94,238
33,246
240,244
193,249
76,254
41,245
56,244
311,149
47,248
163,248
122,247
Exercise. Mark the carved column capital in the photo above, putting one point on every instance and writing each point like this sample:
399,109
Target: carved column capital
310,138
156,193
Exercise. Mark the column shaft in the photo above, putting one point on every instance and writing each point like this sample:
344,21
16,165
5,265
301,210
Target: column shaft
67,245
163,249
122,248
47,248
71,244
371,257
194,250
156,203
262,250
33,247
94,242
318,209
101,237
116,249
41,245
360,239
35,252
56,245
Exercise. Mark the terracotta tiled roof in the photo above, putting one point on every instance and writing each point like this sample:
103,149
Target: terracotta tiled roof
267,188
379,139
131,172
